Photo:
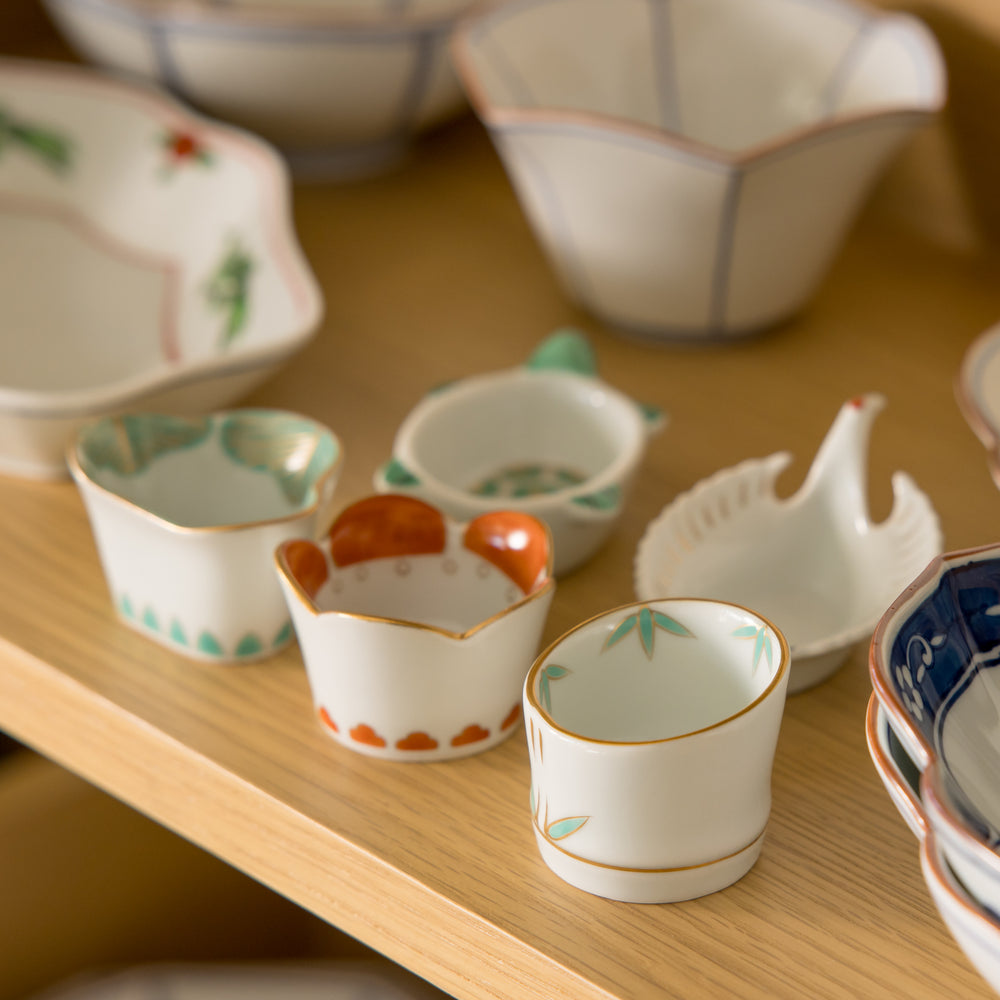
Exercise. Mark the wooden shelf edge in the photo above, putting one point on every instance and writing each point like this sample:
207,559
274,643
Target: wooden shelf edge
458,951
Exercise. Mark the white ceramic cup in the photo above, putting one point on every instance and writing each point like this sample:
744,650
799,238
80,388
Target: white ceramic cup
652,730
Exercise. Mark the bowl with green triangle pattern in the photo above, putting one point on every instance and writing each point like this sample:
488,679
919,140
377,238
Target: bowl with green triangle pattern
187,513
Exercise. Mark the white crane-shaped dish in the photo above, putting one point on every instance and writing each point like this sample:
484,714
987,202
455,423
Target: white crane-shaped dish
815,563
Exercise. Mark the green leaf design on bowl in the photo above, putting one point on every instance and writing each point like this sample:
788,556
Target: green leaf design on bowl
560,829
761,643
128,444
48,145
647,622
527,480
228,291
551,672
607,499
289,448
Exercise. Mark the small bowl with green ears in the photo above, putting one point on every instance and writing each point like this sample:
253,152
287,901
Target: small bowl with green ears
548,438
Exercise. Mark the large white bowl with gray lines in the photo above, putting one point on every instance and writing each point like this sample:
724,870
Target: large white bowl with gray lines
691,167
341,86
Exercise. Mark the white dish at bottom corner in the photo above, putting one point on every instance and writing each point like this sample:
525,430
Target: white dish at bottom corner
333,980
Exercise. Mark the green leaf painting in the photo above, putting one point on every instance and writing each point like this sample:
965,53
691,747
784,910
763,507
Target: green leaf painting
228,291
560,829
647,622
761,643
527,480
550,672
607,499
47,145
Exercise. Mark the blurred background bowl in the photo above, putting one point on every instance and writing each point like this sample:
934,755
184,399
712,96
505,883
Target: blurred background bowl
691,168
339,85
150,259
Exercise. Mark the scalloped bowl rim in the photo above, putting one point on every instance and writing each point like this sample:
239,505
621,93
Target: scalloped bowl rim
501,117
933,856
454,528
843,638
929,764
283,244
274,14
77,451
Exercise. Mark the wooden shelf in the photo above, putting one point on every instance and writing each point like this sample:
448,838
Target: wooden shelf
430,273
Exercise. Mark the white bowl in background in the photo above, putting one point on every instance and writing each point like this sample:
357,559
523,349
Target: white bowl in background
341,86
148,260
691,168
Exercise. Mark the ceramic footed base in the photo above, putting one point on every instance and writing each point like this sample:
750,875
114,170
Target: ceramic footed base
633,885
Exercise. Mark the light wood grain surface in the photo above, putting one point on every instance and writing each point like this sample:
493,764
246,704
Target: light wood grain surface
431,273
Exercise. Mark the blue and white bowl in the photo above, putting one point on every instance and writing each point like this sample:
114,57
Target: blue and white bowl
934,667
974,927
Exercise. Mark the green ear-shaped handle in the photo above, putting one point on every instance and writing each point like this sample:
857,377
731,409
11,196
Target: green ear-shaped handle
393,473
565,350
568,350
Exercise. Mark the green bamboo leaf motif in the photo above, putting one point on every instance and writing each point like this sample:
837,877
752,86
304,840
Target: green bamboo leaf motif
623,630
761,643
229,290
648,621
669,624
561,828
551,672
606,499
47,145
646,630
